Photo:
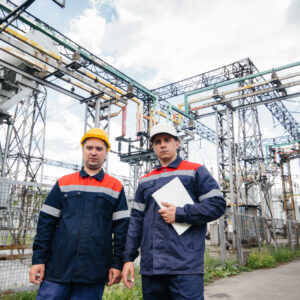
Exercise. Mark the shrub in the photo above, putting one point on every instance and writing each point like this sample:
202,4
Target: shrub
268,261
253,261
283,255
261,260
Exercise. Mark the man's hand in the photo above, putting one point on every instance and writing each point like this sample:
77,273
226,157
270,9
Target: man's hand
168,213
128,269
36,274
114,276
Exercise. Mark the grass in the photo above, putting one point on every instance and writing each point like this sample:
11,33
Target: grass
30,295
267,258
214,269
120,292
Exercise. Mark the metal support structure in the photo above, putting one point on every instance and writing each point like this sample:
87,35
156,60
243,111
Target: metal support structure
28,138
225,152
222,240
228,74
205,79
68,48
4,154
25,156
61,3
252,184
227,177
288,193
15,14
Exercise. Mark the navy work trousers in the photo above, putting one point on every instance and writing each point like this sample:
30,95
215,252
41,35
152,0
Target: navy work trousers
173,287
69,291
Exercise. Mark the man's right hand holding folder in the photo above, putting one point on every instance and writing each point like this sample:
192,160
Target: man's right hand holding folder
168,213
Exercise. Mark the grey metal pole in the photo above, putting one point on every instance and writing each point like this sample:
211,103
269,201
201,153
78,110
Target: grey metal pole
108,133
5,154
232,194
222,240
257,233
97,112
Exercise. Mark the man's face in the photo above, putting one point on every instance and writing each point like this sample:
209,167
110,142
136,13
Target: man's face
165,147
94,153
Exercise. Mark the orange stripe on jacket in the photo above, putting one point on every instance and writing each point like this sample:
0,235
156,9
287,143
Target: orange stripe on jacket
184,165
107,181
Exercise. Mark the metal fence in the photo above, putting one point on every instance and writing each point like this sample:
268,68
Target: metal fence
20,203
239,233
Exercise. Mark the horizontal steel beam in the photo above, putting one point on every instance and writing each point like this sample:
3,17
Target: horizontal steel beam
41,81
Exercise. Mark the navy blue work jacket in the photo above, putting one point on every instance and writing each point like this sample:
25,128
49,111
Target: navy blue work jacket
163,251
75,228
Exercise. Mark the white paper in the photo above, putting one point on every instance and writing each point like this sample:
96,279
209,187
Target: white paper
175,193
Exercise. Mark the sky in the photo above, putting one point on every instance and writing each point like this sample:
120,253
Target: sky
160,42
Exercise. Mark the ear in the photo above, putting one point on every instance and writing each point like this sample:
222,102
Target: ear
177,143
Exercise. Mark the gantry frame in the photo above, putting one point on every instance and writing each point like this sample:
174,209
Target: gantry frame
100,86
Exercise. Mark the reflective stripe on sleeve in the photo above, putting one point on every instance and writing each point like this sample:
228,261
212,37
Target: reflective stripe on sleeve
50,210
210,194
120,215
138,206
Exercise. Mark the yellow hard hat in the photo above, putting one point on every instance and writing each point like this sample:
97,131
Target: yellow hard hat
98,134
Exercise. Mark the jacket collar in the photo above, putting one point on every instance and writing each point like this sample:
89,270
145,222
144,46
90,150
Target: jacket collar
99,176
174,164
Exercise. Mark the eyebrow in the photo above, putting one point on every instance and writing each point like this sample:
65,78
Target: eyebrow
97,147
160,139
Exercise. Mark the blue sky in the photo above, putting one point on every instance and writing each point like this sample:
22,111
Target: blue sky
59,18
159,42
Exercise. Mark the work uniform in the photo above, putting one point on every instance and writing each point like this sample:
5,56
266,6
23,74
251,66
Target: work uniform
163,251
75,227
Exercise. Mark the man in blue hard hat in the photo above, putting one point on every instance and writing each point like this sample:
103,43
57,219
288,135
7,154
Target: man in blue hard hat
171,265
81,229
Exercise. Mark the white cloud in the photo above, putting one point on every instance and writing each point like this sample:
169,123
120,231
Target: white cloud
88,29
158,44
177,39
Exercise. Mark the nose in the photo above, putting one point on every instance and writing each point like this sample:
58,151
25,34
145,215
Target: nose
163,143
93,151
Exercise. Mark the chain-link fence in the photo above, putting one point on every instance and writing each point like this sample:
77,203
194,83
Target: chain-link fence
20,203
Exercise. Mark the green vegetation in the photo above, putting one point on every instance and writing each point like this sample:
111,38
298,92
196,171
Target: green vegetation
261,260
30,295
120,292
267,258
214,269
285,254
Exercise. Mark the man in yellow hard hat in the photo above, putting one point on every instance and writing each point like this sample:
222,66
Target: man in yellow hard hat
81,229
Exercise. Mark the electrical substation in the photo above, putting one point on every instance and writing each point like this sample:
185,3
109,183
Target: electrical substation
254,171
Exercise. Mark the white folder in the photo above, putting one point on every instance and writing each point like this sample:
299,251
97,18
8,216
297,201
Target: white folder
175,193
